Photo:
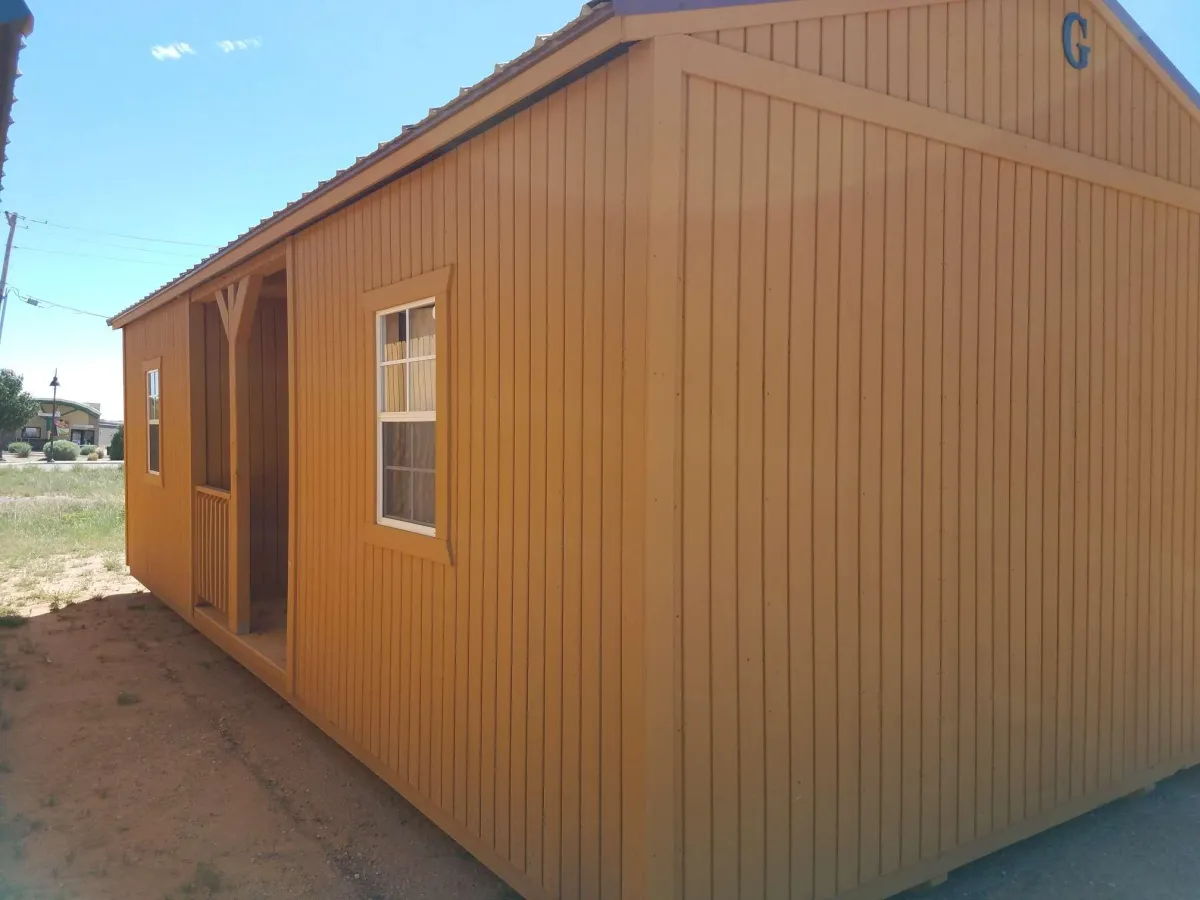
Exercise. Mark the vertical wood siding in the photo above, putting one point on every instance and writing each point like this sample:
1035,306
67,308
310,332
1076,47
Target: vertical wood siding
491,689
159,538
269,450
1001,62
938,493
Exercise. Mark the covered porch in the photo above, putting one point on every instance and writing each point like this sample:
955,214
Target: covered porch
240,443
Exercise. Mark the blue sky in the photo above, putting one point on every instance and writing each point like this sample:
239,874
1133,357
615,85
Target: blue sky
198,148
120,129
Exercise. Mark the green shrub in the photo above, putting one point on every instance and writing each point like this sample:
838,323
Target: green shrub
62,451
20,449
116,448
93,456
87,449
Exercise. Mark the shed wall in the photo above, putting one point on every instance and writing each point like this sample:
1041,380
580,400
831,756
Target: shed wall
158,538
1000,62
939,498
490,690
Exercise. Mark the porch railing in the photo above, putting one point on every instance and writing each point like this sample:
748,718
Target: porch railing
212,547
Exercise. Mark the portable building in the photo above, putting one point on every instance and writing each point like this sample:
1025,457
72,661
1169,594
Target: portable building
772,468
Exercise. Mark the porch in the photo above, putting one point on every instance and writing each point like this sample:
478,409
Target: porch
239,365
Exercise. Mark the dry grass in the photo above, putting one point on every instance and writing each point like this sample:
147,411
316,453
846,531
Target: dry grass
62,536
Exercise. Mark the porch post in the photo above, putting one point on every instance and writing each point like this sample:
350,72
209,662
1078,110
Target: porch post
238,303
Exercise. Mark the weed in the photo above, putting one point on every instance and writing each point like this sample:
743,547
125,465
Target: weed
12,620
26,645
208,877
49,801
114,562
125,698
139,606
102,793
5,767
20,683
96,598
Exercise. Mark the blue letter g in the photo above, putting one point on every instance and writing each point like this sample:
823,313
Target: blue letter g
1077,54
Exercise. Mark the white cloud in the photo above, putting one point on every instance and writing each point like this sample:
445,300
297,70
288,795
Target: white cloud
244,44
177,50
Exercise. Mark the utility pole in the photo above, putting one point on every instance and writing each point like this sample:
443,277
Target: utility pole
12,229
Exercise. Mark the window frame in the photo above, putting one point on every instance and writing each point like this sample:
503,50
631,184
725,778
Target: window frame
383,418
408,537
152,365
26,436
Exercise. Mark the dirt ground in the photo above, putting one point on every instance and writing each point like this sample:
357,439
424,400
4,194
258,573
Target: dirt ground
138,762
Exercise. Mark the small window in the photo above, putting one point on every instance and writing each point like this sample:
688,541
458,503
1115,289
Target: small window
153,427
31,431
406,409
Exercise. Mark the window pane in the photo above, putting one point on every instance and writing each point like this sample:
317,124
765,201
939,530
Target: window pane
395,447
422,437
423,486
152,457
423,328
393,336
397,495
423,375
394,392
408,463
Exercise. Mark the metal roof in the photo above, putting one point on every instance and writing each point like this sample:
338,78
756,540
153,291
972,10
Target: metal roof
593,13
82,407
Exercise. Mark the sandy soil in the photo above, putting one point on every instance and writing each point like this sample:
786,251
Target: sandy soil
59,580
138,761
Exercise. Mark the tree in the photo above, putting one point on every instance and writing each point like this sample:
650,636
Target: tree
16,405
116,448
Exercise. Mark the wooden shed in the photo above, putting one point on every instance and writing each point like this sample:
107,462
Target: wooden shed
772,460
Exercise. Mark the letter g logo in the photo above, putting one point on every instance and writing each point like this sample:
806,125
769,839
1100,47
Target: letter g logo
1077,54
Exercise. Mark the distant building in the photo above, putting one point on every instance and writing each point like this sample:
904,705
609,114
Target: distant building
78,422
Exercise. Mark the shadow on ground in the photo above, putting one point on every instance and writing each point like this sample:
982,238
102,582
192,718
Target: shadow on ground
1142,847
138,761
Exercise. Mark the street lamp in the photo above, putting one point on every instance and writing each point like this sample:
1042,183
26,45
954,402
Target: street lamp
53,415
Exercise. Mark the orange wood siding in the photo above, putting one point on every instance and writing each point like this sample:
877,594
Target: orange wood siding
1001,62
489,690
158,536
938,502
269,449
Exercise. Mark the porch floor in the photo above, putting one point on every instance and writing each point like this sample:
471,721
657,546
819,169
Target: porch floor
268,628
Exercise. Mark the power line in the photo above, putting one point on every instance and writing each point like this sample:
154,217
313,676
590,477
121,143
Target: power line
191,256
38,302
130,237
145,262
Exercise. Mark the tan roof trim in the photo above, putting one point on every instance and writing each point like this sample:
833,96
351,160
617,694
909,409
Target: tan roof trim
550,61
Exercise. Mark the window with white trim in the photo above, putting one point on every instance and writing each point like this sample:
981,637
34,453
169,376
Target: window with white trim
153,428
406,410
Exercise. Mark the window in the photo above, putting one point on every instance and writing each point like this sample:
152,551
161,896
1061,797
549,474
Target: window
406,411
404,391
153,426
31,431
